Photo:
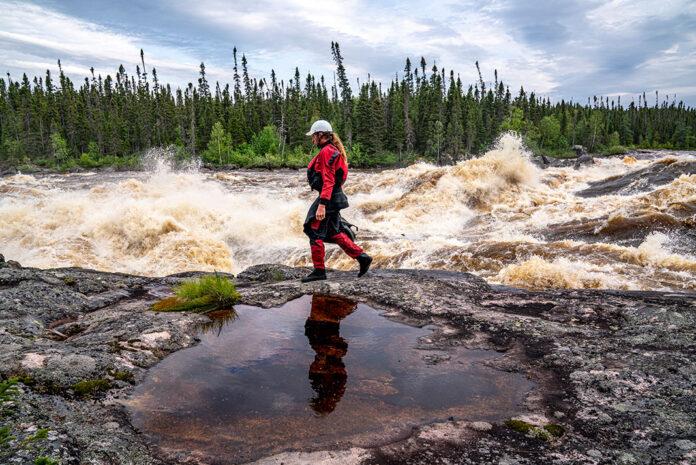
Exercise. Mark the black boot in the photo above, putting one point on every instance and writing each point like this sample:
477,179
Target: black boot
317,275
364,260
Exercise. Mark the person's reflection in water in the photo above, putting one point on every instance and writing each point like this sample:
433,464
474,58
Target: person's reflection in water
327,374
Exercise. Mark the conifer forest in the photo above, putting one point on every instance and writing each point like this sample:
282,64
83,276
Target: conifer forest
425,112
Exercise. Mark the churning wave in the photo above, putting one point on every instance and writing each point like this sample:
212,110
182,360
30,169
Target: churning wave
622,223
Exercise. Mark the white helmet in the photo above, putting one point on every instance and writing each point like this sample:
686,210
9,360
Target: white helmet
320,125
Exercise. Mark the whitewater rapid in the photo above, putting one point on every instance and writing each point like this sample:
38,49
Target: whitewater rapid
499,216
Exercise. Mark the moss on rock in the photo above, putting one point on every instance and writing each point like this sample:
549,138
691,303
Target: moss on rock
555,430
519,426
86,388
547,433
45,461
122,375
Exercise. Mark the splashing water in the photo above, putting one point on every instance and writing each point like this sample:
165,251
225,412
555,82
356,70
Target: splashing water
499,216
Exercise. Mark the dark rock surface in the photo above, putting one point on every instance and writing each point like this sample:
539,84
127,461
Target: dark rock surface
616,369
583,160
657,174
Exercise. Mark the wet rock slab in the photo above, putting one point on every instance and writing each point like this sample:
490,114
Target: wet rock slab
617,370
656,174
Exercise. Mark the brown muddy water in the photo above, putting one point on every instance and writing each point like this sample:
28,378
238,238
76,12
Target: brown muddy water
319,372
620,223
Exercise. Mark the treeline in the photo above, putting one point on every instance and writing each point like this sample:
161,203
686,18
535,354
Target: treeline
426,112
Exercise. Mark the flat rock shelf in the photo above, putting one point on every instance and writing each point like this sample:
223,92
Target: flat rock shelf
552,377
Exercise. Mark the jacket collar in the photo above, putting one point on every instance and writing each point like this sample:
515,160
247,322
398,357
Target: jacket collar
321,146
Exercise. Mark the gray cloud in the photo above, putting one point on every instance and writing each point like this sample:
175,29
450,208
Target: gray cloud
596,58
570,49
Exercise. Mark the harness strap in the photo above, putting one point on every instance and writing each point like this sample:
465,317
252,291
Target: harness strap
333,157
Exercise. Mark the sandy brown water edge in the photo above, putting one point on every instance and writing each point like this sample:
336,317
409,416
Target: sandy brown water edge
615,369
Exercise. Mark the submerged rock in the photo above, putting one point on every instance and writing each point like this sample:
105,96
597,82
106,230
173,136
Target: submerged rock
656,174
583,160
615,369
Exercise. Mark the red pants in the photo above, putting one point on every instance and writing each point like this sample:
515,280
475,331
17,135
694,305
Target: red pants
343,241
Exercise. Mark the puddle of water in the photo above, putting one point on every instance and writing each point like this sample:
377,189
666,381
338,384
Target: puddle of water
319,372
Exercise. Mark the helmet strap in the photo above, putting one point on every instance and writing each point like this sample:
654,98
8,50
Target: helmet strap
322,141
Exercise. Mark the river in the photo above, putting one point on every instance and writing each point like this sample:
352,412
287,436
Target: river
625,222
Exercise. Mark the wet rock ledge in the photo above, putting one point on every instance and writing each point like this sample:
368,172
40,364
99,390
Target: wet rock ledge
616,370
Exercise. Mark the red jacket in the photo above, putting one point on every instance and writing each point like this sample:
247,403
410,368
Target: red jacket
329,167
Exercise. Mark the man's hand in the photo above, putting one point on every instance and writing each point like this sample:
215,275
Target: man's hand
321,212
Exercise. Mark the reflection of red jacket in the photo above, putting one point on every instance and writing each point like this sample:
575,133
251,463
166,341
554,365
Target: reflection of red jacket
328,164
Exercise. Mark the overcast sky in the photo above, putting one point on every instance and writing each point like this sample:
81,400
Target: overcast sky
562,49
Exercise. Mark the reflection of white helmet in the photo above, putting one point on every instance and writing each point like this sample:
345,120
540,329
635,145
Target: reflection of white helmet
320,125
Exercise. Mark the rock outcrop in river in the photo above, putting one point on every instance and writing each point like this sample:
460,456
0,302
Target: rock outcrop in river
616,370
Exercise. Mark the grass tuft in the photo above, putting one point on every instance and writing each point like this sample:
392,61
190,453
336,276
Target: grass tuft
177,304
221,290
208,293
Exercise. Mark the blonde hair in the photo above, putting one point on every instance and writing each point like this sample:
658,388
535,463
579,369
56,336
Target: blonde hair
336,141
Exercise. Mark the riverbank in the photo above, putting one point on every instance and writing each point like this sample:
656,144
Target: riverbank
558,158
614,369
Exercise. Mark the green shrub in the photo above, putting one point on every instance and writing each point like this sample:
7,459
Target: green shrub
59,148
87,162
66,164
27,167
130,162
265,141
91,158
357,156
242,155
297,158
181,153
617,150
